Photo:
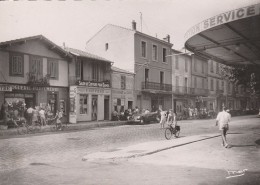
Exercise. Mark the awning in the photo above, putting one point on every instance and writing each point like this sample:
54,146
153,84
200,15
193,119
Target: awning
230,38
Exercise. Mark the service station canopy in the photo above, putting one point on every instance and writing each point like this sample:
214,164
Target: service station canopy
231,38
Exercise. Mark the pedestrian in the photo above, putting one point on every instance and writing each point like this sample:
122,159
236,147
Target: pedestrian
4,112
223,119
29,116
163,118
42,117
58,118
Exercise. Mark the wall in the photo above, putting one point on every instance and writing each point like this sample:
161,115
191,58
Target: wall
32,48
120,46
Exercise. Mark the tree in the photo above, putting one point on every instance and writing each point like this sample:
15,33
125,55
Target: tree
248,76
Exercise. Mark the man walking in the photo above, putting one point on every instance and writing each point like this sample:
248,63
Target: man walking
222,120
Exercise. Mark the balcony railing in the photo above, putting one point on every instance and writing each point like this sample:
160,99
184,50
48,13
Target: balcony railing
36,79
180,90
156,86
199,91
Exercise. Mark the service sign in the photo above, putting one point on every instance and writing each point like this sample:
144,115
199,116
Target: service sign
94,84
223,18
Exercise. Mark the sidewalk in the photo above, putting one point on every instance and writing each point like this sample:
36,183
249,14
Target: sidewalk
70,127
147,148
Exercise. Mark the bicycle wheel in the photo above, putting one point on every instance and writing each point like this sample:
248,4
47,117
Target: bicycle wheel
168,133
177,131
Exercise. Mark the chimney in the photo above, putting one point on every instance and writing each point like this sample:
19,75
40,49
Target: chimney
167,38
64,46
133,25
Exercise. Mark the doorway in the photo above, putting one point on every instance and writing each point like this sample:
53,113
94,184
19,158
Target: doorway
94,107
106,108
53,102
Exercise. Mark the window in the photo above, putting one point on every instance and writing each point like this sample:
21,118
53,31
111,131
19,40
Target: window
146,75
36,65
217,68
106,46
211,66
195,65
143,45
164,54
95,72
161,77
123,82
177,81
154,52
222,84
186,65
202,67
211,85
16,64
83,104
195,82
78,68
217,85
53,68
177,62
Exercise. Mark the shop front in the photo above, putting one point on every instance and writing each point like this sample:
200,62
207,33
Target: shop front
35,96
122,100
89,104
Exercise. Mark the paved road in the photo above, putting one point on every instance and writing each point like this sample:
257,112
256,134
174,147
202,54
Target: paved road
56,158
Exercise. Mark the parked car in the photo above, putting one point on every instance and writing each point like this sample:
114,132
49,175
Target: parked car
145,118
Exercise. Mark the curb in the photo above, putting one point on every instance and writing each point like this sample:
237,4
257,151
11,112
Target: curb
70,127
85,158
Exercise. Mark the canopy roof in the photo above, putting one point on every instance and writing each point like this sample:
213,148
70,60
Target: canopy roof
231,38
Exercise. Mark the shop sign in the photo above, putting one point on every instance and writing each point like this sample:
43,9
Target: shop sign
94,91
223,18
5,88
24,87
105,84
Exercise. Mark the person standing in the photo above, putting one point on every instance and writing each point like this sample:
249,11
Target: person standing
163,118
42,117
223,119
29,112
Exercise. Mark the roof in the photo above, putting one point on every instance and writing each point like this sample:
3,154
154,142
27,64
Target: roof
39,37
231,38
116,69
84,54
130,30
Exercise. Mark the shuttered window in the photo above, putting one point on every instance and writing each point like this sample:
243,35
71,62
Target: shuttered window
53,68
123,82
16,64
36,65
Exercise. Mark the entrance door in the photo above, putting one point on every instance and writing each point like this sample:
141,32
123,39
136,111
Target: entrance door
94,108
53,102
106,108
130,105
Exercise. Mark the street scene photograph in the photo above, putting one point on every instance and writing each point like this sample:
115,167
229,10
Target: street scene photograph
130,92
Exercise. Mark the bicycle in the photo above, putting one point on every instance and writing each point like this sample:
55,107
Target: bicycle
172,131
54,125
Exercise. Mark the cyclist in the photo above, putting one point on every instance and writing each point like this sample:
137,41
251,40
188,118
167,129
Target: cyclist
171,119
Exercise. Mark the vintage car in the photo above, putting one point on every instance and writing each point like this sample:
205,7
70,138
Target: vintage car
144,118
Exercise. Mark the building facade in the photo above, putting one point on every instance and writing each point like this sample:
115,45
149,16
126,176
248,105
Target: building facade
32,71
146,56
90,87
122,89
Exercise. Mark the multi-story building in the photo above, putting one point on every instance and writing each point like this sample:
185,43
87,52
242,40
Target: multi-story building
199,85
217,87
90,87
181,81
32,71
122,89
146,56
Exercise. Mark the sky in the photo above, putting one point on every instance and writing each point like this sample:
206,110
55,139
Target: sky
74,22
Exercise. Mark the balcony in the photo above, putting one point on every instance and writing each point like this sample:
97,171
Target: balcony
35,79
180,90
199,91
156,86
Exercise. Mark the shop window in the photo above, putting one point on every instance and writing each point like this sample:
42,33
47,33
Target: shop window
36,65
154,53
53,69
123,82
164,54
16,64
143,49
83,104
